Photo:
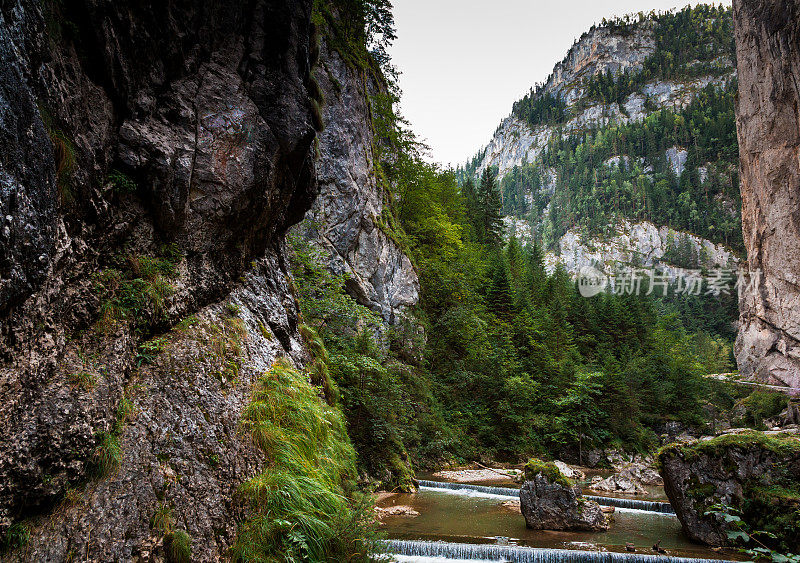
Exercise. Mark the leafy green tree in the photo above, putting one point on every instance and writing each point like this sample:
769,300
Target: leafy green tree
579,418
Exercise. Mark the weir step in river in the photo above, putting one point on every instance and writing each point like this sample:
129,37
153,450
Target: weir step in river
513,554
634,504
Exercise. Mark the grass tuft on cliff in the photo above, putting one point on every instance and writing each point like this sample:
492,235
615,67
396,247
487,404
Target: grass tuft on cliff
304,506
178,547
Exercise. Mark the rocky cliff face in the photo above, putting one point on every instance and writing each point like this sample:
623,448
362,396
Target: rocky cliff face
153,158
345,220
598,51
768,124
752,472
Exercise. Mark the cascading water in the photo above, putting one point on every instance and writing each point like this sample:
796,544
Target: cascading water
499,491
513,554
632,504
636,504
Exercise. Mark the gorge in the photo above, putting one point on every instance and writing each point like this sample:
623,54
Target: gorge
236,299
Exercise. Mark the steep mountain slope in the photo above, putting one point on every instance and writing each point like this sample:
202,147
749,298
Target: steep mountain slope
632,131
768,345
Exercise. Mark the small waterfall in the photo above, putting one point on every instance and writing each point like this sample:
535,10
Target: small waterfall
513,554
499,491
625,503
635,504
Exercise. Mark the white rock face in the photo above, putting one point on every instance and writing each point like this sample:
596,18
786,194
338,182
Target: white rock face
643,244
676,157
517,227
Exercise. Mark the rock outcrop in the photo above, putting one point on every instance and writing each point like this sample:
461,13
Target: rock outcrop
768,125
629,480
346,221
757,473
600,50
153,157
644,245
548,501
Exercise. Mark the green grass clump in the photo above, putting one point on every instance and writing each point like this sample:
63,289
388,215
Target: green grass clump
548,469
108,454
318,370
162,519
304,506
178,547
135,288
63,156
83,379
149,350
16,536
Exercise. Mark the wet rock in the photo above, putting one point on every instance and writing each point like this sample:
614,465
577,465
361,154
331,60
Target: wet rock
642,474
399,510
619,483
549,502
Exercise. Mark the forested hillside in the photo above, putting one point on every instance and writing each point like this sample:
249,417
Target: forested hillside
503,358
646,133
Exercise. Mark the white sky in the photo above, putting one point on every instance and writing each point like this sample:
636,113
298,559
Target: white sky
465,62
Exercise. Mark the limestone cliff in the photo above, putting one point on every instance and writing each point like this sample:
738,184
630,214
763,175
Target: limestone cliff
153,157
345,220
571,178
601,50
768,123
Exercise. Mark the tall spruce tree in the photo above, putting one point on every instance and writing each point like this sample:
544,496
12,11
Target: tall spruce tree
490,208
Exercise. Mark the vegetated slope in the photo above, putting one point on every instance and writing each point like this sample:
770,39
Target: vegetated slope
635,125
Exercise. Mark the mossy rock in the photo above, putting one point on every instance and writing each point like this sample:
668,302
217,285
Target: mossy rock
547,469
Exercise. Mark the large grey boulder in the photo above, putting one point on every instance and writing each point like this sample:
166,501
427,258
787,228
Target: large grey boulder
548,501
750,471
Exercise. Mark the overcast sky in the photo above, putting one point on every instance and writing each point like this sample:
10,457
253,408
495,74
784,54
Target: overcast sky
465,62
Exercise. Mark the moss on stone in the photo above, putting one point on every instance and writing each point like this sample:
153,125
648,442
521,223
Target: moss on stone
547,469
780,444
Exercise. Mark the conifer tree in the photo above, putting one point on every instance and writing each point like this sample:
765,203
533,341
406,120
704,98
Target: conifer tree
490,208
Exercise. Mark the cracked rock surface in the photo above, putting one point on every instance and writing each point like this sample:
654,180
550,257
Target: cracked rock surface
768,125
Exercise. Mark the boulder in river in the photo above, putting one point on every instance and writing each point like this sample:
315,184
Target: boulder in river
549,501
757,473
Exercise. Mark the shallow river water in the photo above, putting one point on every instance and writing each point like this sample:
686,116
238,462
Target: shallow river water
454,516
